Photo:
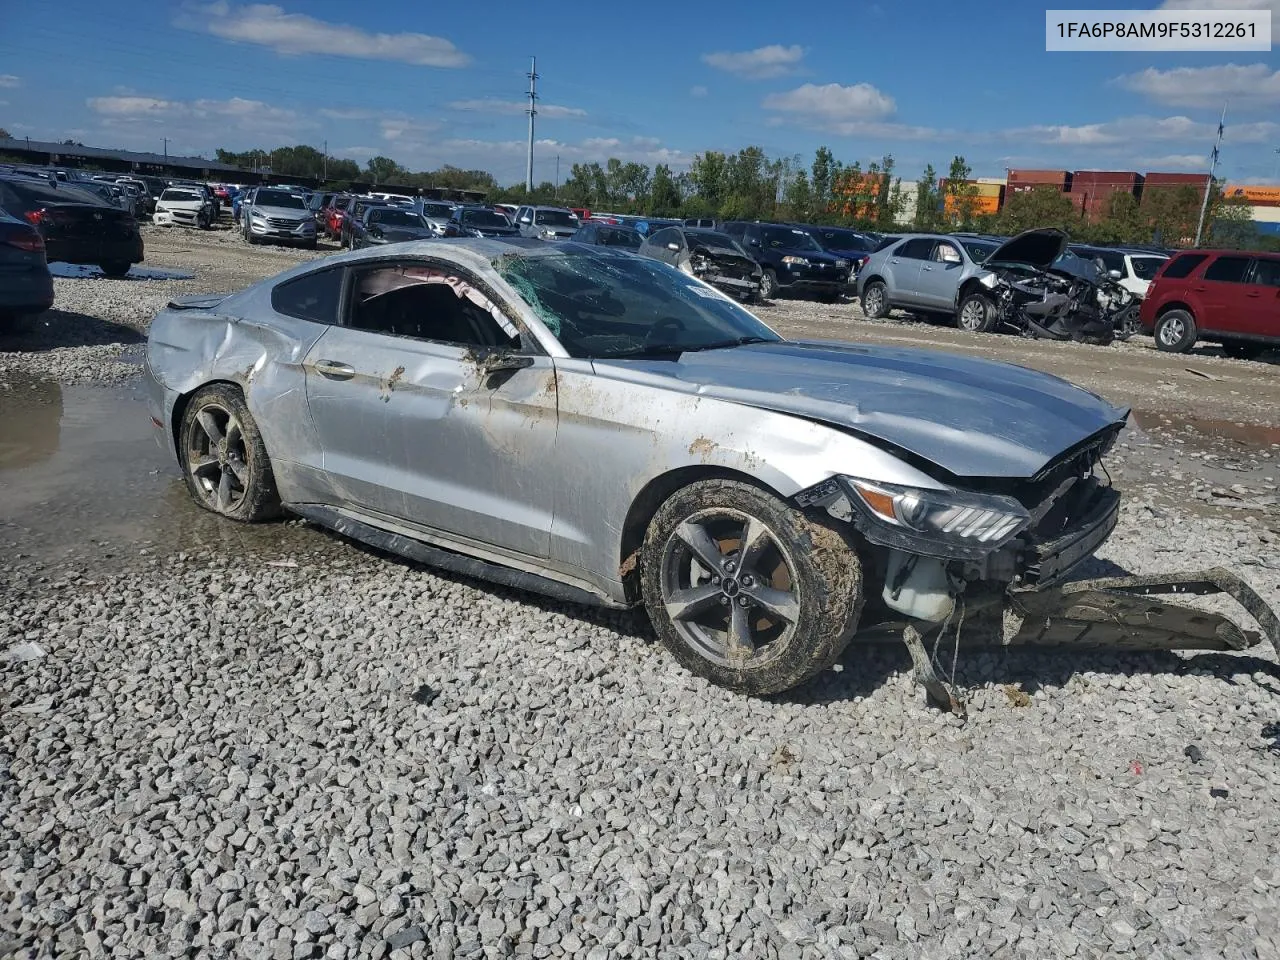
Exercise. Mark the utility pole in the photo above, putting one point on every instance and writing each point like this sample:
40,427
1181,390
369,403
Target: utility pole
166,147
533,112
1213,165
326,161
557,193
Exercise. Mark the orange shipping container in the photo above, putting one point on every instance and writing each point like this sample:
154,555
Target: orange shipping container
981,204
1259,196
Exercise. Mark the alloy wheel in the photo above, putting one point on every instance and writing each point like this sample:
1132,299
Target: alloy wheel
1172,330
217,457
729,586
873,301
973,315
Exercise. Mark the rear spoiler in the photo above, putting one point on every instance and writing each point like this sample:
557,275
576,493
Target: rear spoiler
200,301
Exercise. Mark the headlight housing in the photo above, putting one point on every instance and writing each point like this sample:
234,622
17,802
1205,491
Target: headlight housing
792,261
946,523
842,264
988,280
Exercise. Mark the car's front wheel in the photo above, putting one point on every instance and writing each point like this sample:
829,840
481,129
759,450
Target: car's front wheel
976,313
875,300
1175,331
768,285
746,590
223,456
115,268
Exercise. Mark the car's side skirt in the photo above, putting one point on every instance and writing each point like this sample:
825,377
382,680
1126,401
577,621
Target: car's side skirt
437,550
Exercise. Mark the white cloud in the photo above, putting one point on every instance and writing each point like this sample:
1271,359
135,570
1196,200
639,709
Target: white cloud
9,80
132,107
1143,129
1253,85
698,91
357,153
1197,162
346,114
759,64
832,107
489,105
293,34
202,121
406,129
1272,5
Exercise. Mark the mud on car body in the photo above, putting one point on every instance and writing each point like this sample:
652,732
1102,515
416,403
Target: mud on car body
605,428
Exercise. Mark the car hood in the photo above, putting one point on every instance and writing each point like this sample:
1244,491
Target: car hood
972,418
1036,248
284,213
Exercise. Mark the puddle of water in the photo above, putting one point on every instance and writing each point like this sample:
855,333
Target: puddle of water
1248,434
84,479
85,271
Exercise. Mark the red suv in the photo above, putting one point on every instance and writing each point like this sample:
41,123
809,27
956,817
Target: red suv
1231,297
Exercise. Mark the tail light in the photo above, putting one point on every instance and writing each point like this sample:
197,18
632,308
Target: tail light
36,217
45,217
31,242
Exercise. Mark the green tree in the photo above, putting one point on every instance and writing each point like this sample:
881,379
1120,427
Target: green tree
1229,222
4,134
708,176
823,180
927,200
888,198
962,196
664,193
798,195
1171,213
1044,206
384,170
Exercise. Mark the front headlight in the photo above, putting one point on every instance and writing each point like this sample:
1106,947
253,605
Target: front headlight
940,523
795,261
842,264
255,215
988,280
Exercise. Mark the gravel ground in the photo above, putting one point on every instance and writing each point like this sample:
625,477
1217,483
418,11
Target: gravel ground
323,752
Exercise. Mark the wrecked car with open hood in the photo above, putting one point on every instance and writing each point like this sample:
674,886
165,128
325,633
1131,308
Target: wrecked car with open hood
1033,285
607,429
713,257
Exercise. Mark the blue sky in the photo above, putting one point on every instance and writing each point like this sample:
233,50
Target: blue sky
429,83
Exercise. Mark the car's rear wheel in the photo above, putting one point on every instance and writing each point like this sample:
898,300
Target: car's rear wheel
746,590
976,313
223,457
1175,331
875,300
768,285
115,268
1242,351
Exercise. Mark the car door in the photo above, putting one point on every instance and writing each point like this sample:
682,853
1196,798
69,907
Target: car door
1262,297
660,246
939,277
432,410
902,270
1223,295
524,220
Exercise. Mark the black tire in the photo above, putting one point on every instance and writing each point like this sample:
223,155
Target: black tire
875,300
800,565
233,480
310,244
976,313
829,297
1242,351
1175,331
768,285
115,268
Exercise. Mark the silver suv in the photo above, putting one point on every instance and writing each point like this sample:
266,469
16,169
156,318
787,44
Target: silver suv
929,273
547,223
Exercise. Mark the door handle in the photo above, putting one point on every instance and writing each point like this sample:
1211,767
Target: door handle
335,370
927,267
1200,289
1254,294
894,260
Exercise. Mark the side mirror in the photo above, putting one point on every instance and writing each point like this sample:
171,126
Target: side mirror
673,246
1115,274
754,243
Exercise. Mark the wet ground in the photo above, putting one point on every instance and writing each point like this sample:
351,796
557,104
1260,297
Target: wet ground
84,482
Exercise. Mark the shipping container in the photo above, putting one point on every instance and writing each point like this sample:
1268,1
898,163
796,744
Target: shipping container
1270,229
1256,194
1000,180
981,205
1155,182
980,188
1091,190
1264,214
1020,180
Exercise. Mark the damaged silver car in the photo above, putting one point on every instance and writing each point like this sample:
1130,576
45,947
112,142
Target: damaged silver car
605,428
708,255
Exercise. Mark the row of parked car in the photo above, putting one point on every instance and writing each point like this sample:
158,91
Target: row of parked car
45,219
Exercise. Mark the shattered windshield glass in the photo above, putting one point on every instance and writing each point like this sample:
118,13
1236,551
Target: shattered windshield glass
608,306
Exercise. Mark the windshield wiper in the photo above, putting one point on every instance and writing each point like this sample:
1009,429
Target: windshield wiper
725,344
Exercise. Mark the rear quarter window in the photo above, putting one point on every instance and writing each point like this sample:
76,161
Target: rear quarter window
312,296
1227,269
1182,265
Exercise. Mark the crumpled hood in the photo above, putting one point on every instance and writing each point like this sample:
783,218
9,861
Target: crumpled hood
973,418
1036,248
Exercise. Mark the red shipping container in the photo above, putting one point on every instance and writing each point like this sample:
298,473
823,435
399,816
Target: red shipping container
1020,180
1091,190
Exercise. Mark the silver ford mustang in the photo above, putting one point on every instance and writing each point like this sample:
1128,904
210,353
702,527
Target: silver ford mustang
601,427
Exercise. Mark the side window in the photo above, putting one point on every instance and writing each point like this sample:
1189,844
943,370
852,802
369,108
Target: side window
917,249
312,296
426,302
525,215
663,237
1227,269
1266,272
947,253
1182,265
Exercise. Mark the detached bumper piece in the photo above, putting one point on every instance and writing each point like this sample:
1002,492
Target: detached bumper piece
1120,613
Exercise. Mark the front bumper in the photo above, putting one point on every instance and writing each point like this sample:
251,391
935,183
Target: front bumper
177,218
26,291
94,251
302,232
